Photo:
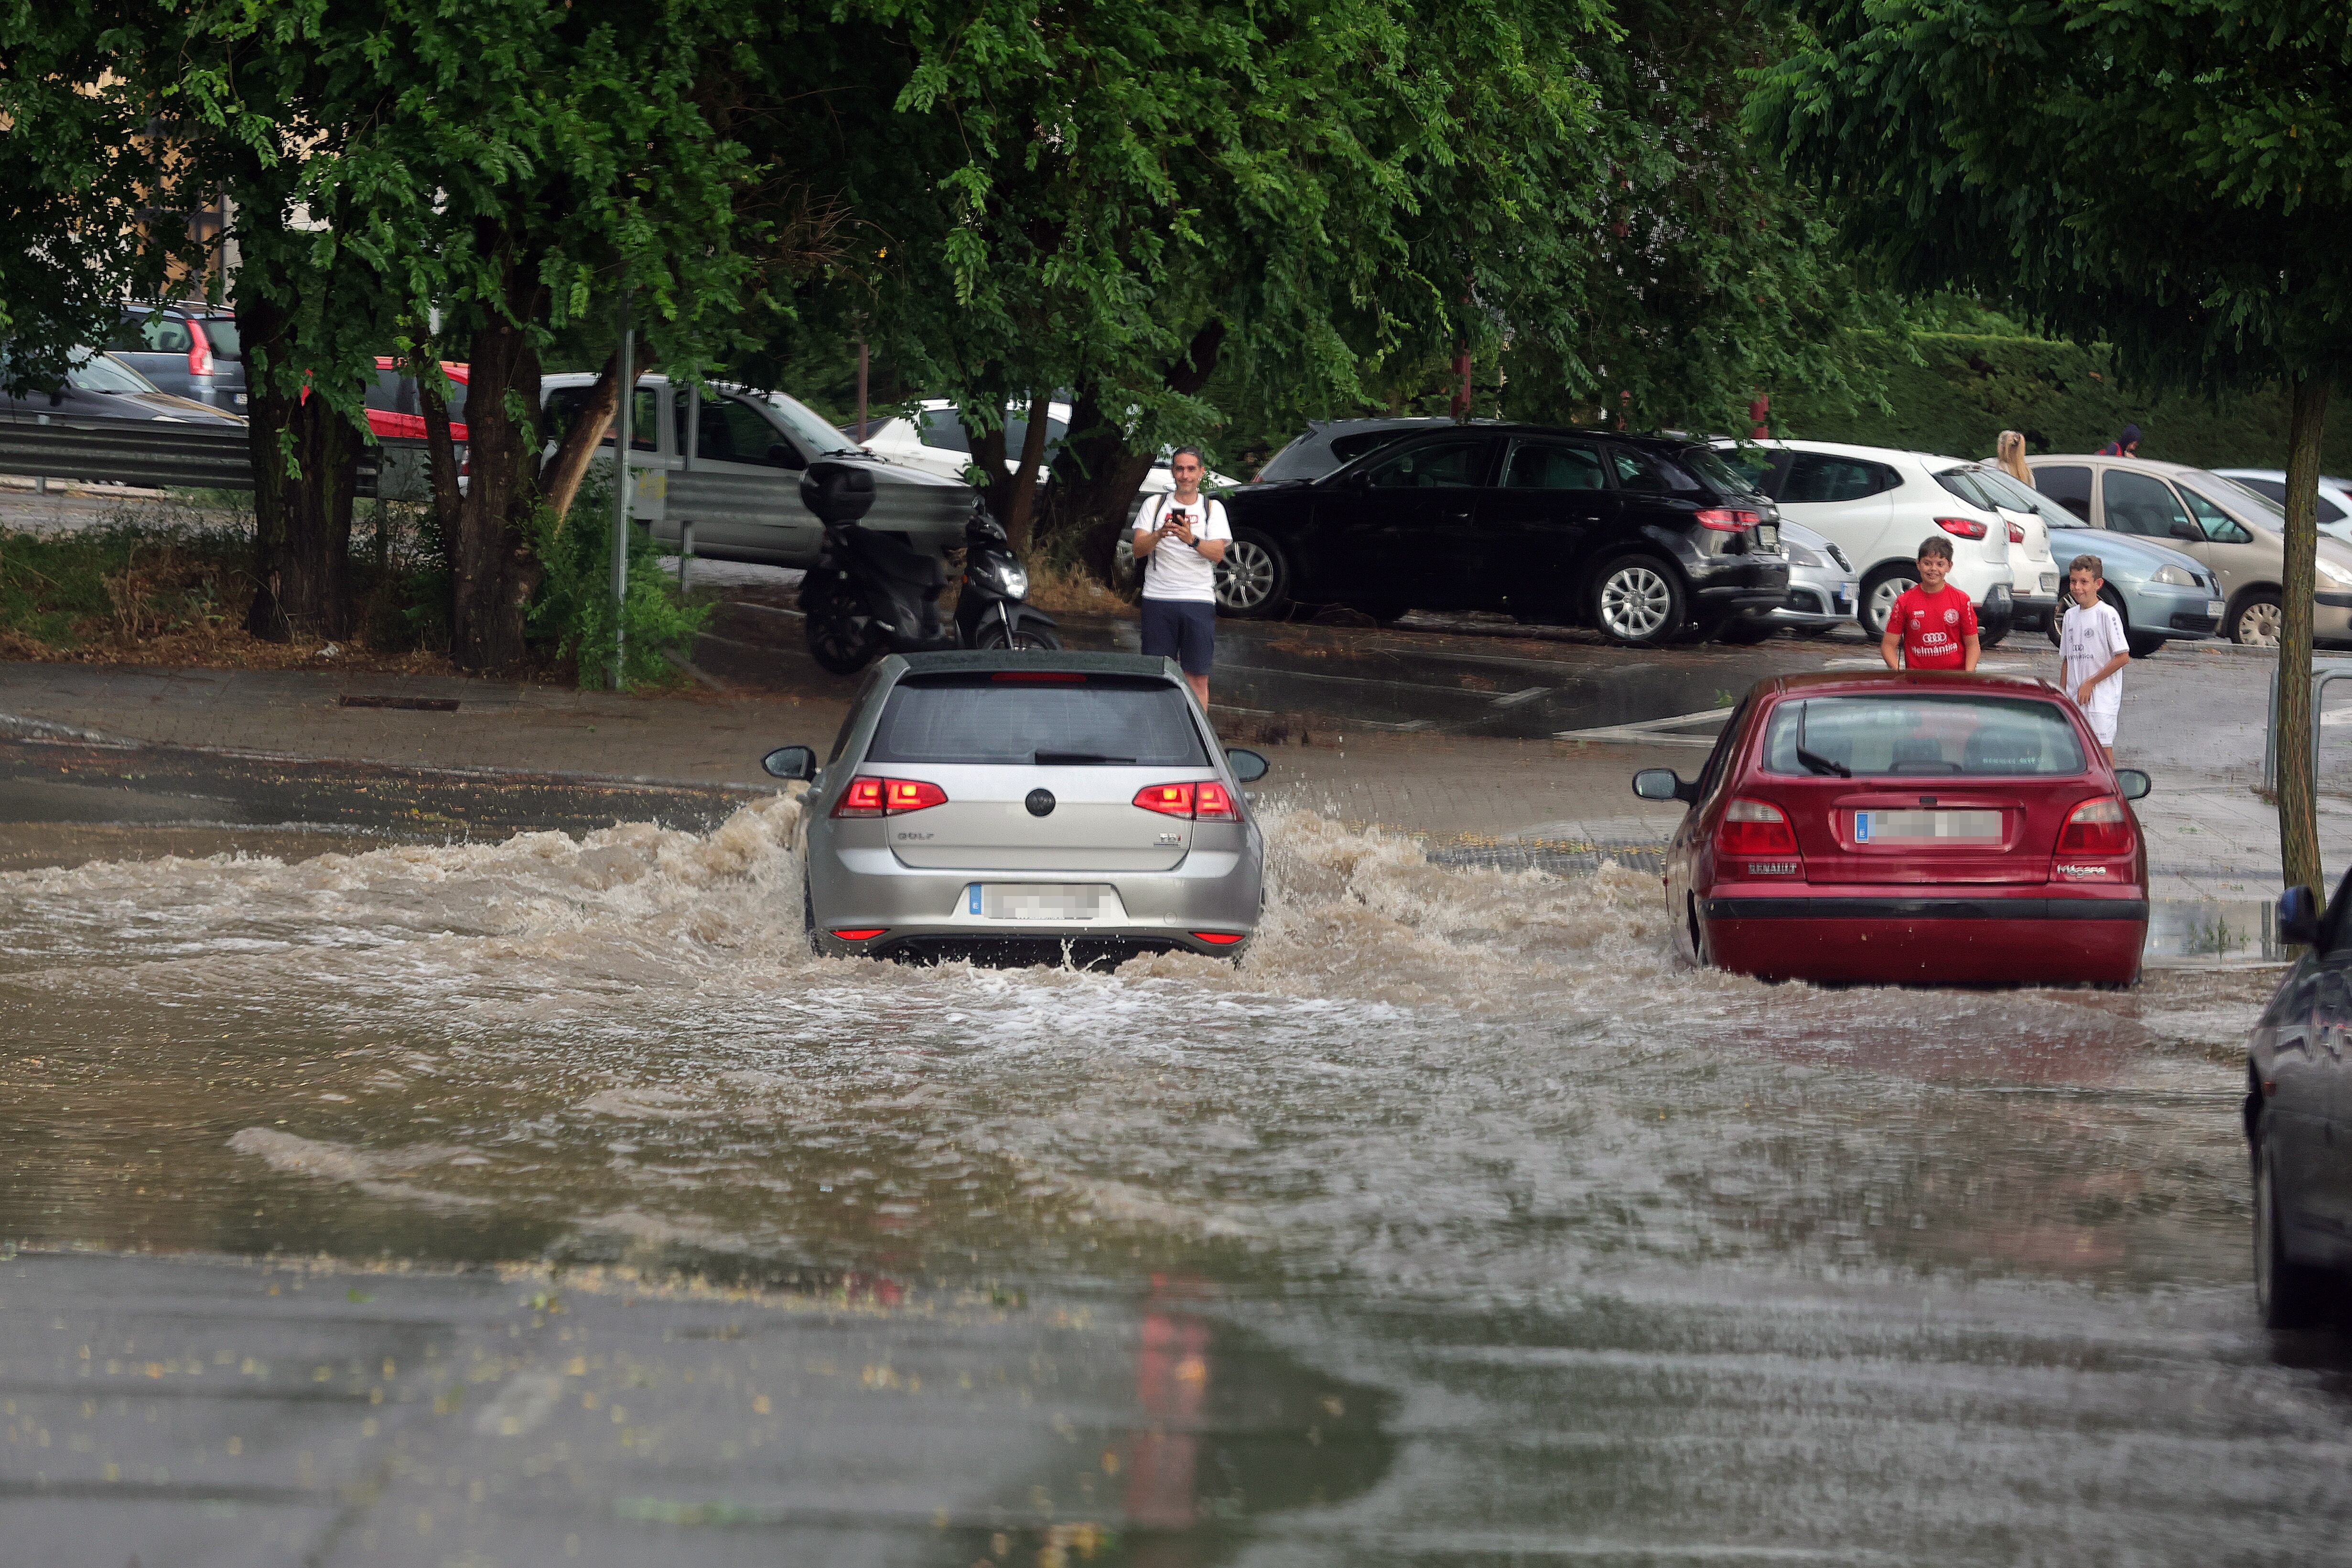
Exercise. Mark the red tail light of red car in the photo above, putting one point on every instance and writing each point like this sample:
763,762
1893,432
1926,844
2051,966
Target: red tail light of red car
2097,827
1755,827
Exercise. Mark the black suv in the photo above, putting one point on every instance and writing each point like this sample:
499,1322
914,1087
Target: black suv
2299,1117
1639,536
190,350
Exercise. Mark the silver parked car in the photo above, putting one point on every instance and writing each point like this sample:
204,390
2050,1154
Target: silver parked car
1824,591
1028,807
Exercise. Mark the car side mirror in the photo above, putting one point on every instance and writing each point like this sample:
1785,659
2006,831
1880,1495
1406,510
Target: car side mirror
2134,784
1663,783
1247,765
791,763
2298,918
1361,479
2187,531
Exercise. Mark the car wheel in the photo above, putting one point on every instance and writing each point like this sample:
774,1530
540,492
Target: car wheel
2058,622
1254,579
2289,1295
1637,602
808,916
2254,622
1879,592
1993,639
2143,644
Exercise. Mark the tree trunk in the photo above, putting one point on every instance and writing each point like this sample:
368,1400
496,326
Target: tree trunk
569,466
306,459
1096,478
2298,811
494,570
1020,507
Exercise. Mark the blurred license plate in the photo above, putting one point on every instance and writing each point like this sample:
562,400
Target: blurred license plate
1927,827
2214,607
1767,535
1033,901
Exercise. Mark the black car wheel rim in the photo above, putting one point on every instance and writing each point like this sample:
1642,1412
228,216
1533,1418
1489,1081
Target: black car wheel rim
1635,602
1245,576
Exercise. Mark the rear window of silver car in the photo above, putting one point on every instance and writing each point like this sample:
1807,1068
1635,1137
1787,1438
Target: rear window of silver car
1041,718
1914,735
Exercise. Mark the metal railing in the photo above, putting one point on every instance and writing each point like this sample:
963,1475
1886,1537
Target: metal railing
2323,672
162,452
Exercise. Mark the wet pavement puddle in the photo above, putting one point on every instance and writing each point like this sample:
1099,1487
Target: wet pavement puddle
541,1200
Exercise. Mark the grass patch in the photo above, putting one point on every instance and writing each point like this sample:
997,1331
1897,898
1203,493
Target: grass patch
120,584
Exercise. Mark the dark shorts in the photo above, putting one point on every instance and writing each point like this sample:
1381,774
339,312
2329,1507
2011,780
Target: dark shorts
1182,629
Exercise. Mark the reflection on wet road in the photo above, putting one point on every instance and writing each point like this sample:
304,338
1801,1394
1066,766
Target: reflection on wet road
1456,1224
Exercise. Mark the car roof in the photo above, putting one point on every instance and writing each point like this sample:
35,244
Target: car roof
1630,438
1839,449
1843,683
986,661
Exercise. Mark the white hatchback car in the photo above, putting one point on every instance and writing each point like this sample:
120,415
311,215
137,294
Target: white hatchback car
936,441
2334,496
1877,503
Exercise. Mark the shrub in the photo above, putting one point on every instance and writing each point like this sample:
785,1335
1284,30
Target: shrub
574,611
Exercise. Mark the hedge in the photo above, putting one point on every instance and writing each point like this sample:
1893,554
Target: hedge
2064,397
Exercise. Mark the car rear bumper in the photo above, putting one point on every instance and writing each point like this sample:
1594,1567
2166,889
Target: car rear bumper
2029,935
920,913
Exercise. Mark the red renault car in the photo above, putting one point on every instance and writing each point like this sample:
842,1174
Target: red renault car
1923,829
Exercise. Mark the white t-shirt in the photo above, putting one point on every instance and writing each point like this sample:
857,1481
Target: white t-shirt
2087,639
1174,570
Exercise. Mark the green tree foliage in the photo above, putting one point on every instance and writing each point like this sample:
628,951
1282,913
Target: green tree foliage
2175,178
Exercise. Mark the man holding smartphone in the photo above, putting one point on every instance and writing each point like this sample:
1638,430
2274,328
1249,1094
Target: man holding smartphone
1179,539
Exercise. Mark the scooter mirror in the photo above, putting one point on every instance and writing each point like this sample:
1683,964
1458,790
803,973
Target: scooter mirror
837,492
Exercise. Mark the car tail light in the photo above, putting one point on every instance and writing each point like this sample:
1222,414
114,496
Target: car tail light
2097,827
870,797
2016,534
1752,827
1214,805
1038,677
200,352
1217,938
1729,519
1961,526
1207,801
861,933
1168,800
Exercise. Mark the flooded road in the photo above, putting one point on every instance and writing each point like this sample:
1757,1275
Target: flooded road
595,1220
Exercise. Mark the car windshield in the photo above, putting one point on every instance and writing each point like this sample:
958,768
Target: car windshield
1041,717
2007,491
221,333
2231,493
1911,734
1728,478
104,373
800,422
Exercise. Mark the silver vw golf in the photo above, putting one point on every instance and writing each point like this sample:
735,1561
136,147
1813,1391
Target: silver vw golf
1025,806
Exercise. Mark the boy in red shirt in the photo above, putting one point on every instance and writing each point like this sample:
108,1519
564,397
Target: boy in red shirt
1932,626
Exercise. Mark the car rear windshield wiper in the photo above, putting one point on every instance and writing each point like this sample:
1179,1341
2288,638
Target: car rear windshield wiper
1076,759
1816,762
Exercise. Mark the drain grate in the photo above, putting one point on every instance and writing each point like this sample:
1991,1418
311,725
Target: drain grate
1560,859
412,704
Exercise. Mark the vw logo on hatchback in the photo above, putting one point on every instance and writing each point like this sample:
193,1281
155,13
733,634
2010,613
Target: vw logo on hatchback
1040,802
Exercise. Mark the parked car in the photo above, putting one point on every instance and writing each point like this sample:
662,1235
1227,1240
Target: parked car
190,350
2035,586
1823,591
2335,497
1925,827
101,385
1877,503
1329,443
935,439
2235,533
743,491
1643,537
2161,592
396,408
2298,1117
1027,805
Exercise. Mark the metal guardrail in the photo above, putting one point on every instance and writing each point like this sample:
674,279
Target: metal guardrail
162,452
2324,673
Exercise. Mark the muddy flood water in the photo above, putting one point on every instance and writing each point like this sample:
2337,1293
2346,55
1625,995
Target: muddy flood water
545,1201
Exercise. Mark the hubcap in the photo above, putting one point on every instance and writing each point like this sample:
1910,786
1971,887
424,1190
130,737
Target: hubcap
1882,603
1245,576
2259,626
1634,602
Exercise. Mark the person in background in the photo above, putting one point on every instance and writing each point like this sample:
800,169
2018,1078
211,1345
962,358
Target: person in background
1179,542
2008,456
2093,650
2124,445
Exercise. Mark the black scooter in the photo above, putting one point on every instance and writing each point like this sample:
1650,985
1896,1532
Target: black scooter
870,592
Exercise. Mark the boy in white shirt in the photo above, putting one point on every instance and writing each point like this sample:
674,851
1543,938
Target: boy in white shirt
2093,650
1180,540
